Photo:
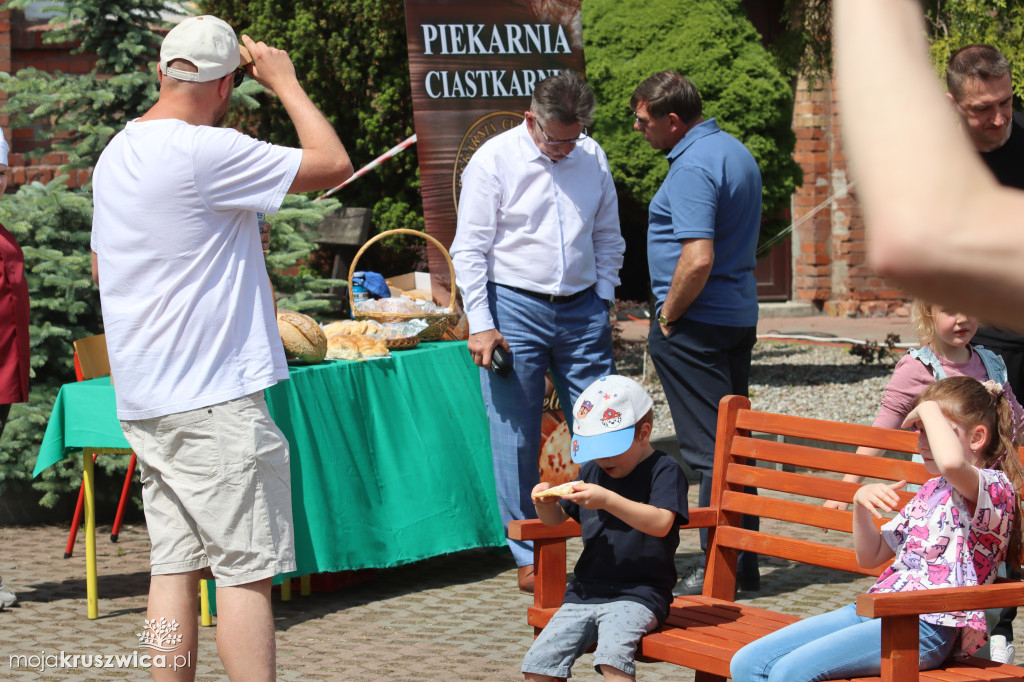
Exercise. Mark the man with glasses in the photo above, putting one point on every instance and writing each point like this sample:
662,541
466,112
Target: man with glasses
537,256
701,242
191,333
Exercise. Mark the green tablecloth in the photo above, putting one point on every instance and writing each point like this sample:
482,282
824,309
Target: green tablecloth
390,458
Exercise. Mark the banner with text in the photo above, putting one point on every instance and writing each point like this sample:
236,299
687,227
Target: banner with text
473,66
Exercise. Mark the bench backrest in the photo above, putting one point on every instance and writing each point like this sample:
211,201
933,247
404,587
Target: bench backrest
745,438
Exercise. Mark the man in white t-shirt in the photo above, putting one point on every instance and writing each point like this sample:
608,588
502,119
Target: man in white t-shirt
191,333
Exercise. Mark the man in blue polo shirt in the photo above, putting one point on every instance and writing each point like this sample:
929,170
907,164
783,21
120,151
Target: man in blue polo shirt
701,243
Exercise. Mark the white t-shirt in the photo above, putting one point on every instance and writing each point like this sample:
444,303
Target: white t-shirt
187,306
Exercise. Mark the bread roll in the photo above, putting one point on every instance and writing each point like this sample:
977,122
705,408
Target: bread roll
421,294
372,348
558,490
302,336
353,327
342,347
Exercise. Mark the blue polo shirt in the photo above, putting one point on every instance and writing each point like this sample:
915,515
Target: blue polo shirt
712,191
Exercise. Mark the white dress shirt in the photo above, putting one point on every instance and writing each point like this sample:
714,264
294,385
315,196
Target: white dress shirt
529,222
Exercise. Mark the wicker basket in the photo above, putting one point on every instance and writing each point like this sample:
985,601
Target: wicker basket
404,343
437,323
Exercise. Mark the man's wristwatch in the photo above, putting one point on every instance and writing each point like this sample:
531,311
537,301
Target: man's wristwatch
664,321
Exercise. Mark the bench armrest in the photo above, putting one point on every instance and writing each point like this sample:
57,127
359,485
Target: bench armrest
999,594
534,529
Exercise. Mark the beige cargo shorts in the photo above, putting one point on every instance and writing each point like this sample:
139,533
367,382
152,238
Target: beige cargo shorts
216,489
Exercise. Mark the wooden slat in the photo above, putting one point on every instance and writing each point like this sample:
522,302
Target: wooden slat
676,646
803,551
788,510
981,669
830,460
698,608
807,485
826,431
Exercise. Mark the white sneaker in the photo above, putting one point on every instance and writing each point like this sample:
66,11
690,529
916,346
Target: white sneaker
1000,650
7,598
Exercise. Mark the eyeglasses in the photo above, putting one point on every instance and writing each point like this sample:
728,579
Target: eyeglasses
554,143
239,76
641,121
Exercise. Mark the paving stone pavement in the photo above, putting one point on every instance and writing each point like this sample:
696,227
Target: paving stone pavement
453,617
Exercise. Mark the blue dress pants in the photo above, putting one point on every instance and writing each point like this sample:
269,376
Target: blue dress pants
698,365
573,340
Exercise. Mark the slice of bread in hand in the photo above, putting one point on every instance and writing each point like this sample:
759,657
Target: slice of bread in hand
558,490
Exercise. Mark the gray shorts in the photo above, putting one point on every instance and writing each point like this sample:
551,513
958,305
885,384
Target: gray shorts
216,489
616,626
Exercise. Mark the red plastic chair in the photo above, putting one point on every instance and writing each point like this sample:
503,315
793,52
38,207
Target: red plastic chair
90,362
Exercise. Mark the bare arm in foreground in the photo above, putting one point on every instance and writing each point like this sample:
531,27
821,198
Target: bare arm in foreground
937,222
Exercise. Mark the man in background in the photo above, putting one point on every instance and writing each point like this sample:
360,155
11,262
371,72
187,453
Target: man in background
701,242
191,333
980,88
979,85
537,254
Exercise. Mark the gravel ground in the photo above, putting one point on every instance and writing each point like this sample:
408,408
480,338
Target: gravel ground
812,380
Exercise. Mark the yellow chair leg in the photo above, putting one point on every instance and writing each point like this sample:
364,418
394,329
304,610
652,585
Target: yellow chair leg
305,586
286,590
92,598
204,603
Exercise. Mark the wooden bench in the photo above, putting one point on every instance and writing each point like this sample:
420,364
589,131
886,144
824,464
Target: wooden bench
703,632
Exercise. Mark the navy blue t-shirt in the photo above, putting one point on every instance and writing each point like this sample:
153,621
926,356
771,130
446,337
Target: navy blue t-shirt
619,562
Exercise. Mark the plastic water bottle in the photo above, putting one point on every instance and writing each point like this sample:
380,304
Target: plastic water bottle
359,292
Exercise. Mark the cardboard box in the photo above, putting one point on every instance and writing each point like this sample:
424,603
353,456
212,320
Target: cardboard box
411,280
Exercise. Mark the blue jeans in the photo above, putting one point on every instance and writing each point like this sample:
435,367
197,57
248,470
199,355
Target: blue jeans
574,341
838,644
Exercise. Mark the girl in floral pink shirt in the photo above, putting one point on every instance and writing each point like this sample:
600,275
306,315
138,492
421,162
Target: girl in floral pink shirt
955,531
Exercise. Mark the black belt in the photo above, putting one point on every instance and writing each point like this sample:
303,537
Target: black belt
550,298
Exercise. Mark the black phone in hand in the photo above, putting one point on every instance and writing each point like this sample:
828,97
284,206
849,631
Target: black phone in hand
501,361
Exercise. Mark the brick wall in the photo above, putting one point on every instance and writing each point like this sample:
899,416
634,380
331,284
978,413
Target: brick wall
21,46
830,268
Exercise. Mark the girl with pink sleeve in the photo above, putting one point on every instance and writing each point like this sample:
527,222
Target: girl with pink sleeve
956,531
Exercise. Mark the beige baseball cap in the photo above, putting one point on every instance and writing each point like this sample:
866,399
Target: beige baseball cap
205,41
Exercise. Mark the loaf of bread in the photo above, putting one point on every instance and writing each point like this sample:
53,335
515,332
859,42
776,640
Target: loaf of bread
302,336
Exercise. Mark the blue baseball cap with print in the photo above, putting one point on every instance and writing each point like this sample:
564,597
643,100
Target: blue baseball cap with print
605,416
